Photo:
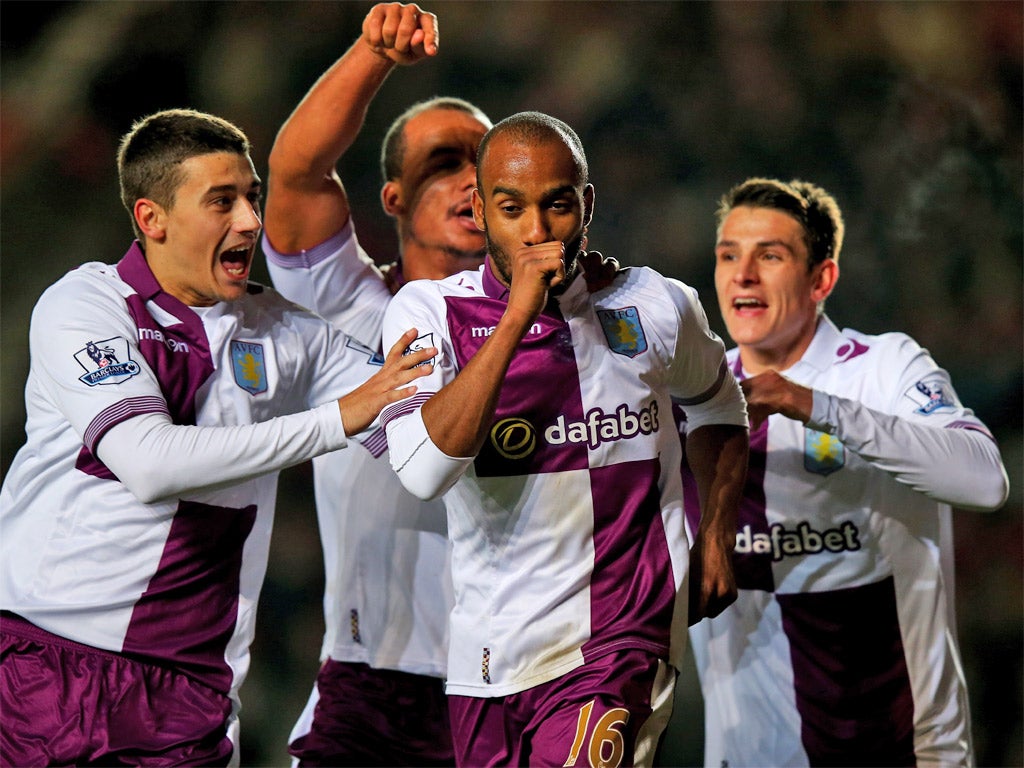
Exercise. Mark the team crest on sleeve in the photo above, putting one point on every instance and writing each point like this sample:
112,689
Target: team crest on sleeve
106,362
823,453
930,395
249,366
421,342
623,330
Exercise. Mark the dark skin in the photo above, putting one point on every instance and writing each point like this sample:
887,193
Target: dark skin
534,209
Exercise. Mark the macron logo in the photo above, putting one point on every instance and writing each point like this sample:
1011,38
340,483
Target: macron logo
483,331
152,334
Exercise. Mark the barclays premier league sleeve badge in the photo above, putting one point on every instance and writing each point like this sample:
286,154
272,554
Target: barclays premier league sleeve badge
106,362
930,395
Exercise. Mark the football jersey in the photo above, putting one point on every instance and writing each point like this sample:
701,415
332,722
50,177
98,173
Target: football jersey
388,585
567,528
176,581
841,647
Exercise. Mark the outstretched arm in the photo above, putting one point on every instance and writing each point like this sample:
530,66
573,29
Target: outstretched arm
306,201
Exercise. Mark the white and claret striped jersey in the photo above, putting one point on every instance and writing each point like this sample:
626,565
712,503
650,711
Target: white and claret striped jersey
567,528
197,409
388,584
842,645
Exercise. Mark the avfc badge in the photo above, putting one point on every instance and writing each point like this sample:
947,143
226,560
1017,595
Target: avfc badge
623,331
106,362
249,366
823,453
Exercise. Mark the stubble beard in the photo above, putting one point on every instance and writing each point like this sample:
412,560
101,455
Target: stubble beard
503,262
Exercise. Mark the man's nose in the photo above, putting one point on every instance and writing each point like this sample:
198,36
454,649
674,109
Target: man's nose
537,230
248,217
746,270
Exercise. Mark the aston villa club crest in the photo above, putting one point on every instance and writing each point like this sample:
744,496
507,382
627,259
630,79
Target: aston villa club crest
106,362
623,331
823,453
249,366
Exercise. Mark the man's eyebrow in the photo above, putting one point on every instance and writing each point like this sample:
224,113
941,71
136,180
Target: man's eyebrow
256,186
444,149
567,189
760,244
500,190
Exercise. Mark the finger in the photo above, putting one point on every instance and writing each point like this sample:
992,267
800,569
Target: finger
431,34
389,27
419,357
398,348
372,26
405,377
400,394
408,25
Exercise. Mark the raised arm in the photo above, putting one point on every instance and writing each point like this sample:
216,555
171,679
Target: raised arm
306,201
458,416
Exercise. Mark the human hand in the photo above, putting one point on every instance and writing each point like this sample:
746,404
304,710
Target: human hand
598,271
712,579
401,32
360,406
535,270
771,392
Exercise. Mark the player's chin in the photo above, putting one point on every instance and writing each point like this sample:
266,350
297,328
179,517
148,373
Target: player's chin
233,291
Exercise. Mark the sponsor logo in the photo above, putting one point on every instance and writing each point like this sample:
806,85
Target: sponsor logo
106,362
930,395
249,366
483,331
804,540
600,427
823,453
154,334
514,438
623,330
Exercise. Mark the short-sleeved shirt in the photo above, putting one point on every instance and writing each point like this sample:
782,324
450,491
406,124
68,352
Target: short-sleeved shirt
388,584
174,582
842,644
567,529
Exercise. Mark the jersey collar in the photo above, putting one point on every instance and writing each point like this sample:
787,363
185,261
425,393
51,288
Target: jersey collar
826,345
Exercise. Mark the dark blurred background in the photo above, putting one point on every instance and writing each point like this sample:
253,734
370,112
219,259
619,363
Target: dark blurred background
908,112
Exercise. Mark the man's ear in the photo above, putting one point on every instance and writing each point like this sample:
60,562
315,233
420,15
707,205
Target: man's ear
588,204
478,211
828,274
151,218
391,199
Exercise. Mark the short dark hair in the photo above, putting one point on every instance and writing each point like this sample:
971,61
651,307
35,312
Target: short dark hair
537,126
815,210
150,155
392,151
